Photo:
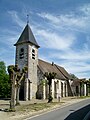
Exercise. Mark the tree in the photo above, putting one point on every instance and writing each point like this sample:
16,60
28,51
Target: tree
12,76
15,76
4,81
20,76
74,77
2,68
49,77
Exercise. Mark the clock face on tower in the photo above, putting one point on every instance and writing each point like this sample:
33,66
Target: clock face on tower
21,53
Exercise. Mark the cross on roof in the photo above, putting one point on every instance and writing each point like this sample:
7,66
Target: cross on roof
27,18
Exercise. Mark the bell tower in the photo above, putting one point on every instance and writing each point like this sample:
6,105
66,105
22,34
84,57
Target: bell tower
27,55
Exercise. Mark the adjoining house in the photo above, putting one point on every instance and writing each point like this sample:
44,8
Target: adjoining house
33,85
80,87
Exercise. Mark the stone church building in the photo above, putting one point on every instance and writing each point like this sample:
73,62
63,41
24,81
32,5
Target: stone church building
34,85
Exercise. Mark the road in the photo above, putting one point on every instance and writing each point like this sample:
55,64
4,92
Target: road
76,111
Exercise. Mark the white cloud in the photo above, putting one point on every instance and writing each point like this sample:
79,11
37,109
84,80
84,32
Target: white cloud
72,55
16,18
74,61
63,19
85,9
79,68
49,17
83,75
55,41
8,37
70,20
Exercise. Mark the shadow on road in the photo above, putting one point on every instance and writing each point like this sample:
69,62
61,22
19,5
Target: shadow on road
79,114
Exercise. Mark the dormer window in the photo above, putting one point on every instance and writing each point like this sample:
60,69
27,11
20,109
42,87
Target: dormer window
21,53
33,53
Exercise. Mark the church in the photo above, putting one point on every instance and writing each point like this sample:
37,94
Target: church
34,85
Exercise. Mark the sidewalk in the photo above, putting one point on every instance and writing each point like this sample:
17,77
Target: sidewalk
14,116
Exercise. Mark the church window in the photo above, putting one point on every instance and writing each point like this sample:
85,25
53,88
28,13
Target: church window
33,53
21,54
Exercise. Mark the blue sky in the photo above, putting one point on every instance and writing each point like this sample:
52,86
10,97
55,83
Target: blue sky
61,28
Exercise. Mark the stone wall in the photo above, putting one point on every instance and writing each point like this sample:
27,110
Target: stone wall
27,60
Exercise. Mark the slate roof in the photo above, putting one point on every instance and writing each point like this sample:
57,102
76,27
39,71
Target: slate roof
48,67
75,82
27,37
64,72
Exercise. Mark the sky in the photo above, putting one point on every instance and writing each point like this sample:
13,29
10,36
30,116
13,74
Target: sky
61,28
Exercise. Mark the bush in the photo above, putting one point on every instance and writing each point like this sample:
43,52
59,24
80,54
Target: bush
5,85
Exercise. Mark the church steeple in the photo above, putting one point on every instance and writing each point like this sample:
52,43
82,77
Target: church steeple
27,37
27,55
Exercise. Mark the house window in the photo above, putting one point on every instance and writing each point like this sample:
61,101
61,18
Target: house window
33,54
21,53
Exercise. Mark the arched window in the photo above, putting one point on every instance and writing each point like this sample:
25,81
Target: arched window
21,53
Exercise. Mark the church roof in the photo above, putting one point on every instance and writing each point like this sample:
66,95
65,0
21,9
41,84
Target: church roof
27,37
48,67
63,71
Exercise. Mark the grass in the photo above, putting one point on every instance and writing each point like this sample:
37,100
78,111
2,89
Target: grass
28,110
84,97
36,107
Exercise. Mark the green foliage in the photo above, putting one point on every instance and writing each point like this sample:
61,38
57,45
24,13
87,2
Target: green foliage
73,76
10,69
2,68
43,82
4,82
50,76
25,69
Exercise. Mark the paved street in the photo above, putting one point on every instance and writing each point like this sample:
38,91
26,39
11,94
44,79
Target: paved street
77,111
